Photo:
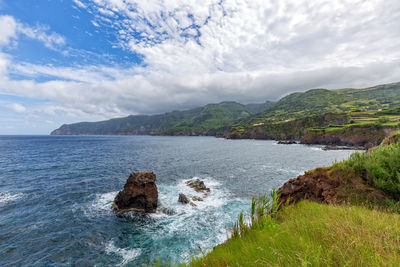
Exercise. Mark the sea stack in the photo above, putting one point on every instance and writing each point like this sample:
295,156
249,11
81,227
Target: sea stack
139,194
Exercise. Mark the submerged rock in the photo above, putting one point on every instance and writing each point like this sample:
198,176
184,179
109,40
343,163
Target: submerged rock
198,185
194,198
287,142
165,211
185,200
139,194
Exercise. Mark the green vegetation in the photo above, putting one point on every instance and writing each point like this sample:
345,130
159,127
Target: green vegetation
363,231
370,125
380,167
320,101
219,119
212,119
312,234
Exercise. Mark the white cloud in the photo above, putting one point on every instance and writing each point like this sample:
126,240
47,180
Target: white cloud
52,40
79,3
7,29
16,107
196,52
10,28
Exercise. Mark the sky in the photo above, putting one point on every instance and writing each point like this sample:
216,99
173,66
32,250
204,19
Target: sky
66,61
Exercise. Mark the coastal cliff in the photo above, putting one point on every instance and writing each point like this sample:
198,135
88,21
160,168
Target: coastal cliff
345,214
353,129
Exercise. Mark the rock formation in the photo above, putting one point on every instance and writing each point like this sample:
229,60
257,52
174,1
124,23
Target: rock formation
198,185
195,198
314,185
287,142
139,194
185,200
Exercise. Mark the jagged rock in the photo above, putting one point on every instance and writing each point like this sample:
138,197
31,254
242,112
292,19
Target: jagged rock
315,185
287,142
198,185
195,198
139,194
185,200
165,211
335,147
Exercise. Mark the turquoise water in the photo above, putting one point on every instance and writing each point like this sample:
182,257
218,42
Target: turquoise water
56,194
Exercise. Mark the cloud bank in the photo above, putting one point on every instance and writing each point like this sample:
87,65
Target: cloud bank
196,52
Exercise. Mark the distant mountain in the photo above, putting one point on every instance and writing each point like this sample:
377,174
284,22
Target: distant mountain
212,119
218,119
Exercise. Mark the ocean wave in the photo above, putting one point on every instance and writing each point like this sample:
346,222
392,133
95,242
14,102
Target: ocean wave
6,197
127,254
316,148
101,204
205,225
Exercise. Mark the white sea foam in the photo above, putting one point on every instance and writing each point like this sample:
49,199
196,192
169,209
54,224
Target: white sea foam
101,204
127,254
6,197
204,225
208,216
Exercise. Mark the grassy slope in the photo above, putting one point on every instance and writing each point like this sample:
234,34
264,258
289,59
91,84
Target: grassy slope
363,231
343,124
312,234
319,101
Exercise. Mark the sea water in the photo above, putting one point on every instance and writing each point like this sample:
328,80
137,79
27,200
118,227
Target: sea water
56,194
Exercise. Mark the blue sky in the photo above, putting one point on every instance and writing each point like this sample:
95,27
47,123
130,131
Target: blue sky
85,60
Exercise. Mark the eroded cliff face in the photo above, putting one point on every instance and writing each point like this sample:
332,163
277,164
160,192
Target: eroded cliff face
366,140
330,186
357,137
287,130
315,185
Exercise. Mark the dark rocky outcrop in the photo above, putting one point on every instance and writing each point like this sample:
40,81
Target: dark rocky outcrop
287,142
165,211
195,198
365,140
312,185
185,200
329,185
139,194
198,185
335,147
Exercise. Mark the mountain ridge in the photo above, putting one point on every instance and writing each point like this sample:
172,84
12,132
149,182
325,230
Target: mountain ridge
207,120
218,119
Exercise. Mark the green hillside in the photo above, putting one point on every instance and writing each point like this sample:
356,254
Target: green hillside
212,119
320,101
219,119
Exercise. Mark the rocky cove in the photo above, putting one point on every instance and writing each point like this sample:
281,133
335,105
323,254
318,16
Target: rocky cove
84,174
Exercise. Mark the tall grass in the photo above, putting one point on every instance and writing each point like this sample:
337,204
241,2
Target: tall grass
312,234
379,167
264,209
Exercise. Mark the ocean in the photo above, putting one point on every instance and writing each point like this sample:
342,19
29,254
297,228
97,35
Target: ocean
56,194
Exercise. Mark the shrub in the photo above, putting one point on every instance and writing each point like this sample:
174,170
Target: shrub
380,168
